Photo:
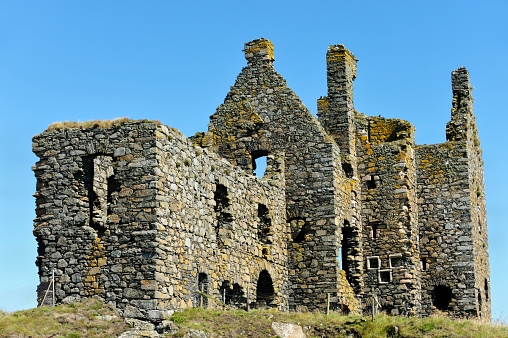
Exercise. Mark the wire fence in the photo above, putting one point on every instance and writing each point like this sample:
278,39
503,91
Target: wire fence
21,296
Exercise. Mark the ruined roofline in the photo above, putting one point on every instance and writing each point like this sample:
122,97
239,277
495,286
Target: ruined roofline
96,123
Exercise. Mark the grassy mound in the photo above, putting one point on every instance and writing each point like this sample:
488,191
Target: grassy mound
88,319
257,323
94,319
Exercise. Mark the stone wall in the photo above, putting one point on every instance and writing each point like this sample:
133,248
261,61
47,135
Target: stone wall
349,206
454,246
386,167
130,214
262,115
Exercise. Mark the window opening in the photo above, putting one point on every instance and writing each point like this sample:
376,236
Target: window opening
265,293
264,225
202,285
232,295
299,229
113,190
375,228
348,169
396,261
259,162
373,262
424,263
264,252
486,287
98,170
441,297
371,182
385,276
345,251
147,254
221,209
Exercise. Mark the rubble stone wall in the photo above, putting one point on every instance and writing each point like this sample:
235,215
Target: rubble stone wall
349,207
129,214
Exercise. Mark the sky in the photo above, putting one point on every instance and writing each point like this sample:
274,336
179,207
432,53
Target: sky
174,61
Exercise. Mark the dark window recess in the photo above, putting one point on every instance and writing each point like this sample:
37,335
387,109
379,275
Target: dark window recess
348,169
264,252
374,230
371,182
385,276
396,262
113,190
299,229
202,286
259,158
97,169
221,209
264,225
148,254
441,297
233,295
265,293
346,251
486,287
479,300
375,227
373,262
424,263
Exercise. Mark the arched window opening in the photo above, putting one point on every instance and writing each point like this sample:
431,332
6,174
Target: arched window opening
222,214
299,230
442,297
202,287
265,293
264,225
259,162
233,295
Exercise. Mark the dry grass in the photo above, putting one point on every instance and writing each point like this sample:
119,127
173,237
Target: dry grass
257,323
73,320
83,320
95,123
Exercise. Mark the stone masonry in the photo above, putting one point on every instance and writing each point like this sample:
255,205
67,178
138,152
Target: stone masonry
349,205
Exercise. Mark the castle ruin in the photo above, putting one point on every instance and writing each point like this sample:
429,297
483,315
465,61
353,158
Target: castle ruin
349,205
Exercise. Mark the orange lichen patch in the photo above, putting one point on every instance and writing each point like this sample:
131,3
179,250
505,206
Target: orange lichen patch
346,295
95,123
259,48
388,130
95,260
322,104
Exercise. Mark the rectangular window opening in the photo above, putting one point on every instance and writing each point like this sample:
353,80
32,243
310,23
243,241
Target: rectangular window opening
384,276
373,262
396,261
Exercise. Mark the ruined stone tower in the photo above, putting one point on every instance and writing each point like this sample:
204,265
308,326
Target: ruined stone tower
137,214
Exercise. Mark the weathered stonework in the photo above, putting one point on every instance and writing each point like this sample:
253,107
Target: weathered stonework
349,205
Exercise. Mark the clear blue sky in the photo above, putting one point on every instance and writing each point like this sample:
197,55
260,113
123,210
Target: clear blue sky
174,61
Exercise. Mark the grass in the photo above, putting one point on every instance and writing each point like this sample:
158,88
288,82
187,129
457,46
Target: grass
81,320
94,123
77,320
257,323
